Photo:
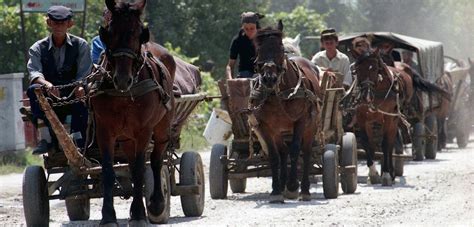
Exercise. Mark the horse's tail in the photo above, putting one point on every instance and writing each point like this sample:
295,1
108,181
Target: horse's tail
426,86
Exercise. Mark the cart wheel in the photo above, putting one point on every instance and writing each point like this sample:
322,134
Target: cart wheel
165,189
330,173
35,196
218,175
78,209
192,173
348,158
418,145
462,139
237,185
432,142
398,163
463,128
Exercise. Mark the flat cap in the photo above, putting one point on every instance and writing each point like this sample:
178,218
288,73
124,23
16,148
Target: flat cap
330,32
250,17
59,13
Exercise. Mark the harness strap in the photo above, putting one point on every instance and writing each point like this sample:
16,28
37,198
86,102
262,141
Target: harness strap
137,90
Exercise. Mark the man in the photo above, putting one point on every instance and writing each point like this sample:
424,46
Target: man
98,47
386,52
59,59
407,58
242,47
331,59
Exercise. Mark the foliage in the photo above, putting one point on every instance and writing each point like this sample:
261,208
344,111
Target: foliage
201,28
17,161
191,135
302,21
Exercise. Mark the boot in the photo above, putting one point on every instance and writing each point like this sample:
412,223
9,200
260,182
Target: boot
42,148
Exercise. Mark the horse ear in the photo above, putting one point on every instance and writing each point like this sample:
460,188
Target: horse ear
140,5
103,34
110,5
280,25
297,40
145,35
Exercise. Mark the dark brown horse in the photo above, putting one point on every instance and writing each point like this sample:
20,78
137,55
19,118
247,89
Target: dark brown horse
284,101
443,109
129,113
383,92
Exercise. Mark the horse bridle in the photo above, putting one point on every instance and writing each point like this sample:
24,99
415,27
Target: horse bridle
129,53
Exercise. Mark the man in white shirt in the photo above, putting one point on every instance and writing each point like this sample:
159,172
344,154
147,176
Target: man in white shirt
331,59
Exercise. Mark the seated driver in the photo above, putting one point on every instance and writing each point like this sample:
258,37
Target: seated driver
59,59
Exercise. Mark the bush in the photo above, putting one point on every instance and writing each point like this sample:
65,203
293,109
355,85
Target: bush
15,162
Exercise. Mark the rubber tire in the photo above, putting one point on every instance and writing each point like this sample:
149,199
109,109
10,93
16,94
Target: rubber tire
432,143
192,173
35,196
418,144
165,189
78,209
348,158
330,172
237,185
398,163
218,174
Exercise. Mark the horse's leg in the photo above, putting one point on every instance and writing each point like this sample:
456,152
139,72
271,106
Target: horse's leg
442,133
307,145
106,145
135,151
292,185
161,139
368,144
283,148
388,143
268,136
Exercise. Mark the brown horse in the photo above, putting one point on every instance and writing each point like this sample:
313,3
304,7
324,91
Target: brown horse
443,109
383,92
284,101
129,113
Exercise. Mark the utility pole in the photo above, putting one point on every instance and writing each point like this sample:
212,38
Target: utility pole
23,37
84,19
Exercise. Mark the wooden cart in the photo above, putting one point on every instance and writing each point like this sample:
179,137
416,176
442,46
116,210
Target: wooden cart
334,152
75,177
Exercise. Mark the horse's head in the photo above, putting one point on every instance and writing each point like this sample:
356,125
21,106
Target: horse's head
292,45
270,55
369,68
123,38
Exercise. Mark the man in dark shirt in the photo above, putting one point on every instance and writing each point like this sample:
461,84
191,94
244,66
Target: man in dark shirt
59,59
242,46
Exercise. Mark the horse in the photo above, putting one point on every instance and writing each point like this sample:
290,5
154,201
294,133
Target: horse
383,91
443,109
292,46
284,100
138,105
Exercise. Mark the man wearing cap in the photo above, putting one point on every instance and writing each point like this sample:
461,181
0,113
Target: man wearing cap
242,47
331,59
59,59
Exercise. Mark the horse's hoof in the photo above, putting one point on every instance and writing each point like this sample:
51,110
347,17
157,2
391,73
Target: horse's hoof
305,197
110,224
290,194
137,223
386,179
277,198
374,179
158,215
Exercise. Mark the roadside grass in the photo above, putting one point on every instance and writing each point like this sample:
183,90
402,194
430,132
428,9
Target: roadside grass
15,162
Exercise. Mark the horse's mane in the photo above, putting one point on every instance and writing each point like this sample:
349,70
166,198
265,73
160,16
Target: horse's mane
266,33
124,9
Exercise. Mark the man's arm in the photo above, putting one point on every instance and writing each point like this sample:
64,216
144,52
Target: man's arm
35,69
229,69
346,67
97,49
84,61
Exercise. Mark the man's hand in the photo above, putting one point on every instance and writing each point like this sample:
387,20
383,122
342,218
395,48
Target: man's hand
51,89
79,92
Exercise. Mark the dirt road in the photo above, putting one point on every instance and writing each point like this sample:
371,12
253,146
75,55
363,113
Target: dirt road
438,192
